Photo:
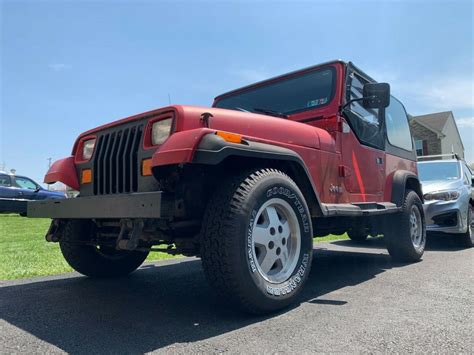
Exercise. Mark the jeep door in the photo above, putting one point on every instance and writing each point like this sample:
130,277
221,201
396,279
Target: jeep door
362,145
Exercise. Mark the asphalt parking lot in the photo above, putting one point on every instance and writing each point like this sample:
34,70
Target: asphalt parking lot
356,300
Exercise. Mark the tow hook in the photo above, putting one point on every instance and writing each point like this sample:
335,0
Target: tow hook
54,231
131,228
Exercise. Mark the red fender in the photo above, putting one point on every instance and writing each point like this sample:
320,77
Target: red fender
63,170
179,147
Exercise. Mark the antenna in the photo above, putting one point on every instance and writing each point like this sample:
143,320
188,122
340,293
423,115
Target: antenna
169,99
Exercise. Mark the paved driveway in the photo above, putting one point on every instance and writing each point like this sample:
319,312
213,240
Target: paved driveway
356,300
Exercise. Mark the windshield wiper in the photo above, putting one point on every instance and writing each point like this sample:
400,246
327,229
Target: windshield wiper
270,112
241,109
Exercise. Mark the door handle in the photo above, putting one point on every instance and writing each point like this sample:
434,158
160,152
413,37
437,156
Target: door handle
379,160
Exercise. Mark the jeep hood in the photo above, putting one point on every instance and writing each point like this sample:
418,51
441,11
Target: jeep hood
257,127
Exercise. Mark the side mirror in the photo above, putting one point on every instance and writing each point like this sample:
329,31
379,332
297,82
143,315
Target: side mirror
376,95
37,189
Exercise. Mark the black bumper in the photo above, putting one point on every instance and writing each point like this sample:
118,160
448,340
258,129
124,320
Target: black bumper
136,205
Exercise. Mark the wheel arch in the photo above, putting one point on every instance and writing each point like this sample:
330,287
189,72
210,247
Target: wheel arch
227,157
404,180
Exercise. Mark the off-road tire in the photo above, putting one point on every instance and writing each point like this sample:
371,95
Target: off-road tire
357,235
467,238
398,236
226,241
91,261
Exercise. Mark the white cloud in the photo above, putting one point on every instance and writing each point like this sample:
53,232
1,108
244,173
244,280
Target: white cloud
59,66
466,122
443,92
449,94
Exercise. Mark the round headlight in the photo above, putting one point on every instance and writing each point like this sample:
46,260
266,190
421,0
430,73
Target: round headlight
88,149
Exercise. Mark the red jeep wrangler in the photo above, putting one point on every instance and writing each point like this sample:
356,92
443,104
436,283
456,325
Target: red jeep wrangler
245,185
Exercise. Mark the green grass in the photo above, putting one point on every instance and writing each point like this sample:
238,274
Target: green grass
331,238
25,253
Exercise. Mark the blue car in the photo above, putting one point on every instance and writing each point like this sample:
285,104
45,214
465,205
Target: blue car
16,191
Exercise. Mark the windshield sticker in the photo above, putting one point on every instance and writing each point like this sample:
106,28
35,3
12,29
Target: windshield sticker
317,102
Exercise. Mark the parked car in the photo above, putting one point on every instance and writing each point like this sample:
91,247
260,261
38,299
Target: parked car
449,196
16,190
245,184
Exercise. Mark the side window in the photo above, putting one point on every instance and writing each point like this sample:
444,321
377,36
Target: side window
25,183
398,130
364,122
5,181
419,147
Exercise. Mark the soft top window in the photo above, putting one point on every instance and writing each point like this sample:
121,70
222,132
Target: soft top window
398,130
364,122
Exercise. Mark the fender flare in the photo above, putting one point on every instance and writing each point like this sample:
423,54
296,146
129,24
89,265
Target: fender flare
213,150
403,179
63,170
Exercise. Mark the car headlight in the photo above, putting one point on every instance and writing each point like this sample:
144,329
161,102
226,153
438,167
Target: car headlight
442,196
88,148
160,131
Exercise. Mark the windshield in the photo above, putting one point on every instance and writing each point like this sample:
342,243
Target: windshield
439,171
304,92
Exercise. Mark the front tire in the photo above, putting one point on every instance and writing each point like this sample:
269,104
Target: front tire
406,237
468,237
256,242
95,261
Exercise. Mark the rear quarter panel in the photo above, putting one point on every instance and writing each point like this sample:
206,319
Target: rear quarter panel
393,164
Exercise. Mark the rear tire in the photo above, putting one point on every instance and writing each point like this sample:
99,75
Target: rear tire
256,241
468,237
406,237
93,261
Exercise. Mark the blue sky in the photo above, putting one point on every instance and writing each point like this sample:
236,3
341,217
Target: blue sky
67,66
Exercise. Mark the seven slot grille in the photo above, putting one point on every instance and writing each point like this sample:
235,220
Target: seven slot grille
116,165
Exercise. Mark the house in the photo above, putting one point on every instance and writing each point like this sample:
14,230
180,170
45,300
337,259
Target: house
436,133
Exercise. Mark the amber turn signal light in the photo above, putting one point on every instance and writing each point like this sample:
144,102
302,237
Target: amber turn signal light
146,167
230,137
86,177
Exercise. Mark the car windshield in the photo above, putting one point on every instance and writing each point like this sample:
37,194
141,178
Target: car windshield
433,171
287,96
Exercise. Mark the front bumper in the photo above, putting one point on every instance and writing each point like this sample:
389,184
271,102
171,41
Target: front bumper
446,216
135,205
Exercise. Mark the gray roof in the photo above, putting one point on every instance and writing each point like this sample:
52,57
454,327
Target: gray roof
435,121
